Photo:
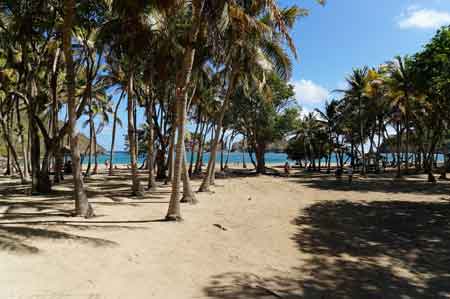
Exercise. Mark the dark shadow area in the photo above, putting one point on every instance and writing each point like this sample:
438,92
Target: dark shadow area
229,173
377,236
26,220
359,250
376,184
20,239
238,285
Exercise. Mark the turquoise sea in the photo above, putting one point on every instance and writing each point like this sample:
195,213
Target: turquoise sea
234,158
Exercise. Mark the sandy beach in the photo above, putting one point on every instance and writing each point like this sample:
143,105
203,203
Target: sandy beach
307,236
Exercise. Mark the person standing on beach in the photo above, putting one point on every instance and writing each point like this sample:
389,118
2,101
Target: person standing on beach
287,168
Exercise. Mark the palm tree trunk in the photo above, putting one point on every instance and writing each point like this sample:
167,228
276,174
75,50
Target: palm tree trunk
188,194
21,141
363,170
8,162
55,126
12,151
183,79
228,148
221,151
171,156
193,143
330,152
210,172
407,131
95,152
150,147
136,188
243,149
91,129
445,166
116,109
174,212
199,160
40,181
399,141
136,135
352,158
250,150
260,160
82,206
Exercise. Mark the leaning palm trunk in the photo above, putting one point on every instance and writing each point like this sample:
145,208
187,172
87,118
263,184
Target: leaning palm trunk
95,152
188,194
407,132
150,148
363,170
88,169
330,152
430,158
201,145
399,144
54,117
25,157
82,206
210,171
183,79
445,166
12,151
174,213
221,150
22,143
114,134
8,163
193,144
136,189
170,157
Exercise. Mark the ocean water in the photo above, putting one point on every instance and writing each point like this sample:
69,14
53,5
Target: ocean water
234,158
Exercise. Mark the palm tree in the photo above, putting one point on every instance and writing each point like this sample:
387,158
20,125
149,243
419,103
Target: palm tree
102,109
99,106
82,206
182,82
250,35
329,115
401,91
115,78
128,34
355,94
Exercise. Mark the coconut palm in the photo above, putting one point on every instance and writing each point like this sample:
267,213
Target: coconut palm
355,95
128,35
401,92
251,34
82,206
330,115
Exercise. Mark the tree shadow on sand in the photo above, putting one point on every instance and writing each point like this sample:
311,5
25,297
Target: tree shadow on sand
25,220
359,250
377,184
21,239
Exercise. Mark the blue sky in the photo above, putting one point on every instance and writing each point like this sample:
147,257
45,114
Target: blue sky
352,33
344,34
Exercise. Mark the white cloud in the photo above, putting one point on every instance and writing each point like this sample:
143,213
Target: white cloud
307,92
422,18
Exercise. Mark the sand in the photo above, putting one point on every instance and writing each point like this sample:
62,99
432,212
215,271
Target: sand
307,236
